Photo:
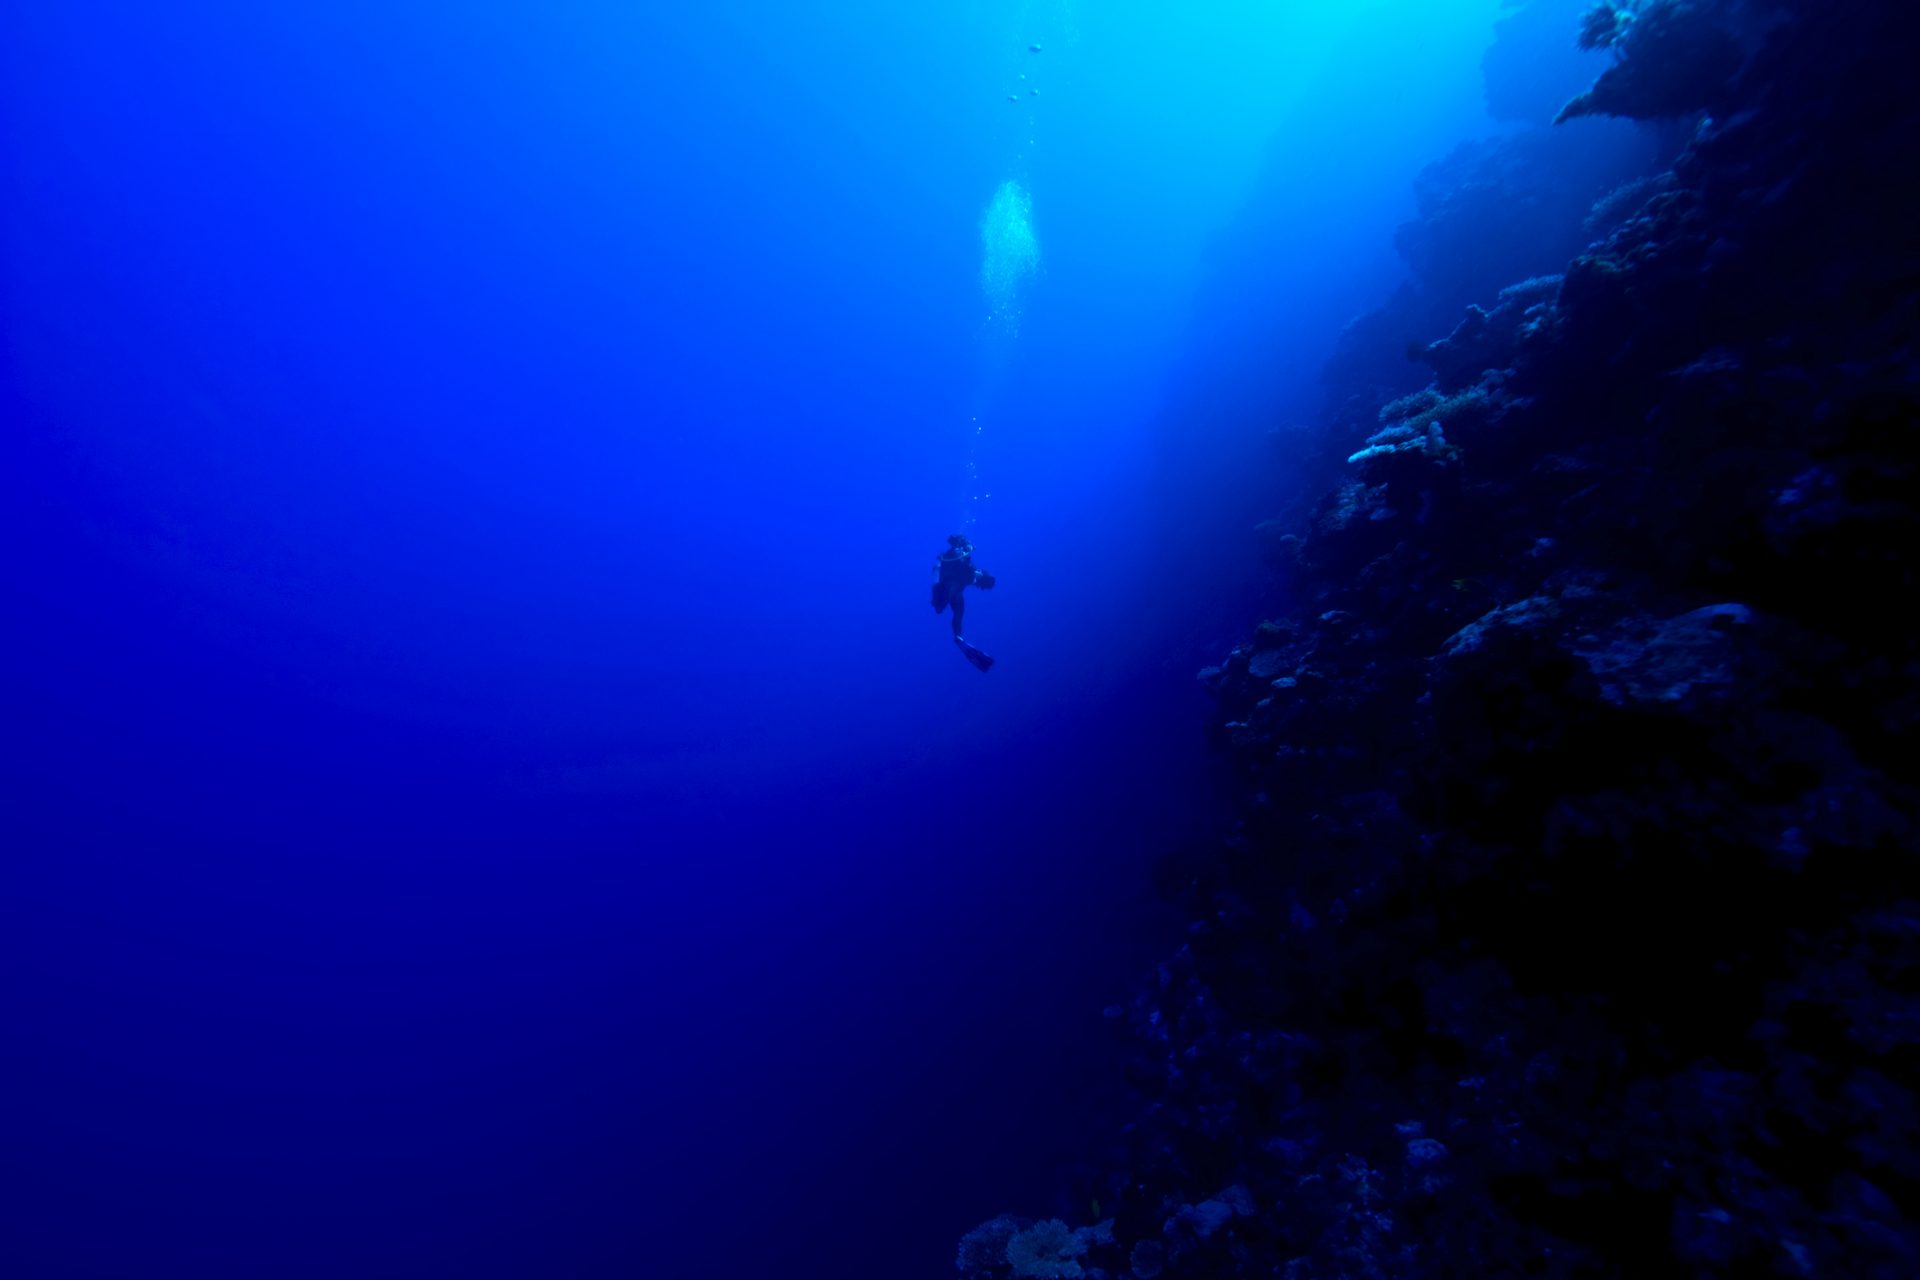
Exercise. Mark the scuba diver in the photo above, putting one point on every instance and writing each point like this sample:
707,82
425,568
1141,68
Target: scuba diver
953,574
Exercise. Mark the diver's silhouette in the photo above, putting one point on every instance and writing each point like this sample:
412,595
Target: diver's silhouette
953,574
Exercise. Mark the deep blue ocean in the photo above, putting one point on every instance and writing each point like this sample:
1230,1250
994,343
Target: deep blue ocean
486,793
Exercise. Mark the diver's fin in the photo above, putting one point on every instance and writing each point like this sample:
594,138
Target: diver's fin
977,658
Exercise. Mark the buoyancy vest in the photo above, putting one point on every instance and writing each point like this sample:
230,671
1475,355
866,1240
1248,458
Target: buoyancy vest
956,569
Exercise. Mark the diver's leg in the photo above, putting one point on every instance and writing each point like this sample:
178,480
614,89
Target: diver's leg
958,601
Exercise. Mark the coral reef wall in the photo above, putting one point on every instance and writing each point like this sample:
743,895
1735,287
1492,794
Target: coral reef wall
1571,926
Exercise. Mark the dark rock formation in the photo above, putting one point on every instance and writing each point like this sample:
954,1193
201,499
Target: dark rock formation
1672,57
1572,923
1489,214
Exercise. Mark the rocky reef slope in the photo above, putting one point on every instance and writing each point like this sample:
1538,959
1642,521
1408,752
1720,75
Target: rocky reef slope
1572,923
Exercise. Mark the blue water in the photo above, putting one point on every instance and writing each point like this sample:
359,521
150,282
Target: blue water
487,795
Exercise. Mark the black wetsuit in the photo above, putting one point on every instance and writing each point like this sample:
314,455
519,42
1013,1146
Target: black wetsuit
956,573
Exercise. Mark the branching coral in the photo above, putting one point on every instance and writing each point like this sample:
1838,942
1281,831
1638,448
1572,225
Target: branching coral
1425,412
1407,408
1402,450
